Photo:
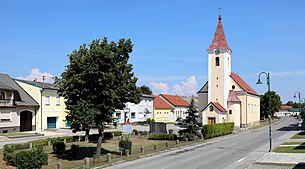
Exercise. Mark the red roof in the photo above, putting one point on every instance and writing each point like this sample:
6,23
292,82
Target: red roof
286,107
219,40
233,97
175,100
219,107
159,103
243,84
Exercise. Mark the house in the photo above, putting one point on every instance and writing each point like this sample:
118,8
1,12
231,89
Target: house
226,97
52,112
163,111
179,104
287,111
17,108
136,112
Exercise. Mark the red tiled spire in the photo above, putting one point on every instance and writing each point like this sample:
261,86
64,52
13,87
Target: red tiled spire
219,40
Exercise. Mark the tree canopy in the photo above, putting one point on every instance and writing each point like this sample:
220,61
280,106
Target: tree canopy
98,80
145,90
275,103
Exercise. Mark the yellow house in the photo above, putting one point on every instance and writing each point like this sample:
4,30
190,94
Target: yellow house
226,97
163,112
52,112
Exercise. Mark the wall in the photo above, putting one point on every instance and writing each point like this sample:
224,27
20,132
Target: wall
163,115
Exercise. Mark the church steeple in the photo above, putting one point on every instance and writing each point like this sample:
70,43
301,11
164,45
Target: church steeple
219,40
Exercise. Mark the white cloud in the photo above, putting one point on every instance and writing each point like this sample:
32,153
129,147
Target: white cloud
36,74
158,88
187,88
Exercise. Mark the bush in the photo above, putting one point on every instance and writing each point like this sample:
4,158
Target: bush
117,133
162,136
136,132
108,135
32,159
59,148
144,133
125,144
40,143
216,130
74,151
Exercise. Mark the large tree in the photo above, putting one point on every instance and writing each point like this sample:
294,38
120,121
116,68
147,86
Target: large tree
145,90
190,125
275,103
98,80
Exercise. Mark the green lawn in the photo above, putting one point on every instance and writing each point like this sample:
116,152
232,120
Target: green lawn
292,143
290,149
300,135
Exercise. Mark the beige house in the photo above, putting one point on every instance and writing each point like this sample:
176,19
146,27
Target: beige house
52,111
226,97
18,109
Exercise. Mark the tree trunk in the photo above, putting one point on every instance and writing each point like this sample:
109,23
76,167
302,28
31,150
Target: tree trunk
99,143
87,135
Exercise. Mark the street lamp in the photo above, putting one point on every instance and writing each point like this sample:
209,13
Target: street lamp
269,102
299,96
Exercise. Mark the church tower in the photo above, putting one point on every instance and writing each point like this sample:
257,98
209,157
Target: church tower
219,67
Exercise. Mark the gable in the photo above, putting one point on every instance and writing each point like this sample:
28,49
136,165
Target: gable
204,88
215,105
243,84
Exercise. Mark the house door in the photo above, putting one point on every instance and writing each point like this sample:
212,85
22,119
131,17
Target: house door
211,120
25,121
51,122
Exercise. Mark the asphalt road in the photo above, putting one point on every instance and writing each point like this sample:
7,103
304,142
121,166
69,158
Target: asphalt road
234,151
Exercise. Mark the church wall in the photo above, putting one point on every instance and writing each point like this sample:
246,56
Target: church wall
235,116
253,107
202,100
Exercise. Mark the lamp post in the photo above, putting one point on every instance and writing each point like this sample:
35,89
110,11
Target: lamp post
269,102
299,96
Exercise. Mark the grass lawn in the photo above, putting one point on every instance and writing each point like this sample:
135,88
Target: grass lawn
17,134
300,135
110,146
290,149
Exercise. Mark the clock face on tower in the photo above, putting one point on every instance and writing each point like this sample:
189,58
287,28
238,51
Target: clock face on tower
217,51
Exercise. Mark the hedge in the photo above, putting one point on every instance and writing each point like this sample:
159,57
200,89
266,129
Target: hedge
216,130
125,144
162,136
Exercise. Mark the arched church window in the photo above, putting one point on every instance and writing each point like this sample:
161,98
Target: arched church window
233,87
211,108
217,61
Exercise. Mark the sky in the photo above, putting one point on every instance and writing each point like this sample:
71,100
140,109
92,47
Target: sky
170,39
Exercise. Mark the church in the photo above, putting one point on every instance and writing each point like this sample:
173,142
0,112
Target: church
226,97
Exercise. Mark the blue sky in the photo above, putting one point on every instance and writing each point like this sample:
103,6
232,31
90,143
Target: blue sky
170,39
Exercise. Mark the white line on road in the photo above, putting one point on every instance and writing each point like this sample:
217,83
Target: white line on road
239,160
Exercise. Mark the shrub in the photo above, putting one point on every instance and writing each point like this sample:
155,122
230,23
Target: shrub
40,143
162,136
136,132
143,133
125,144
108,135
59,148
74,151
32,159
216,130
117,133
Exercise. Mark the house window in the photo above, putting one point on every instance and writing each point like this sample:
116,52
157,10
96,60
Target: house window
2,95
5,115
57,100
47,100
217,61
230,111
211,108
133,115
118,115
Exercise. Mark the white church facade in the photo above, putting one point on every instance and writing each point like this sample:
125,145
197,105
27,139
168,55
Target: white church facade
226,97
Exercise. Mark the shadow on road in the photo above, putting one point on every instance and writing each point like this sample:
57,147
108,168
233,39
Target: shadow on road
291,127
301,165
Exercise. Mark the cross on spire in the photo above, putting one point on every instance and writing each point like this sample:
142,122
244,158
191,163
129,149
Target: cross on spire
219,10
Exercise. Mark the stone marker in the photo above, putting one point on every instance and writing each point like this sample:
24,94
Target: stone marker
142,149
155,147
177,141
60,165
87,161
108,157
127,153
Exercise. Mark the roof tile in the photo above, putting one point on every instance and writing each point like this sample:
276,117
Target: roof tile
219,40
175,100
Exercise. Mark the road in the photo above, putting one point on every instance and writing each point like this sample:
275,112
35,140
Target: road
234,151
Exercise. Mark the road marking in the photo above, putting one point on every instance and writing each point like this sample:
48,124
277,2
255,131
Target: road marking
239,160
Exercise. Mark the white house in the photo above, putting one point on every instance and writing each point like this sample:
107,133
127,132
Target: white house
136,112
